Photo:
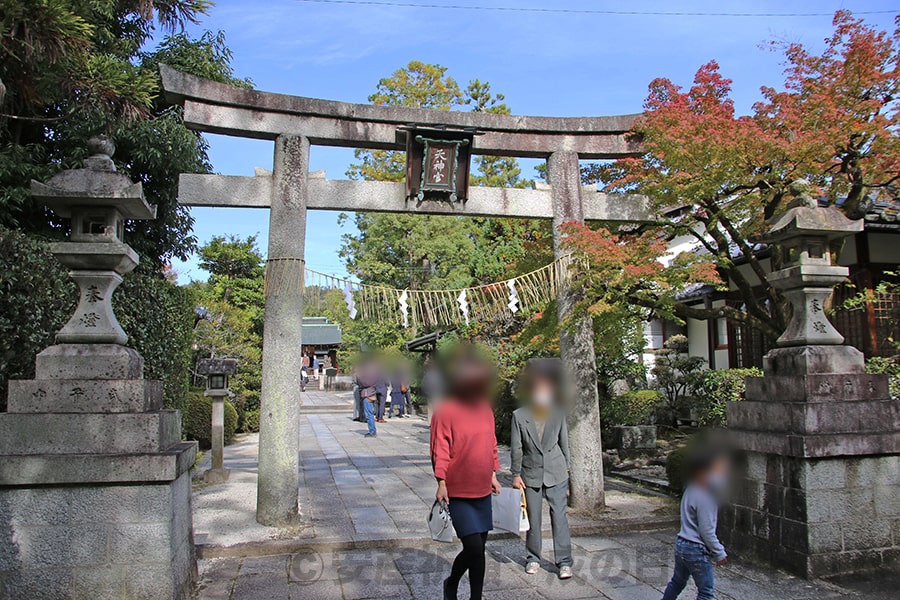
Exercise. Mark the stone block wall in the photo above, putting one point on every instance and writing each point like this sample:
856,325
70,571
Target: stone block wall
815,517
96,542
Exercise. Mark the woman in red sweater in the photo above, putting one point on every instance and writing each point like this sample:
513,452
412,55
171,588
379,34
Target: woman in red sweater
464,456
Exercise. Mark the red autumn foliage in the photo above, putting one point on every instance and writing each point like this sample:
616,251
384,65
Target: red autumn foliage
714,177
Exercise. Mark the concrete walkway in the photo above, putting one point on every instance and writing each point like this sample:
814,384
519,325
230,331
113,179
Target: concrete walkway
362,533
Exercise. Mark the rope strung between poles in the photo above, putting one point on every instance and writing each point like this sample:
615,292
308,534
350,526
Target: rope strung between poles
414,308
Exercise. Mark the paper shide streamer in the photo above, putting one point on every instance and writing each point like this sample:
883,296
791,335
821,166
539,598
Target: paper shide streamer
513,296
418,308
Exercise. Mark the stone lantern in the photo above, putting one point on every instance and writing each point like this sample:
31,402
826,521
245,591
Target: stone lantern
98,200
816,485
95,488
805,235
217,371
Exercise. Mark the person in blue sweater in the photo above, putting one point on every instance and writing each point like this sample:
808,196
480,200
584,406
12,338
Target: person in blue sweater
697,548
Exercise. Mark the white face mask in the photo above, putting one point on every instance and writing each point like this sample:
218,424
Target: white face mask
543,398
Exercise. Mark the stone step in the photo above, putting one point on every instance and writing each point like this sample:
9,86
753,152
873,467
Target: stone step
327,408
818,388
24,434
59,469
85,396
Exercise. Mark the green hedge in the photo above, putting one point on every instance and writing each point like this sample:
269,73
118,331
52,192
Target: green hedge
251,421
36,300
676,469
716,389
158,317
196,420
634,407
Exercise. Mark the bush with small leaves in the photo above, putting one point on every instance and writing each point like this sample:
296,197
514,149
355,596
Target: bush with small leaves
197,419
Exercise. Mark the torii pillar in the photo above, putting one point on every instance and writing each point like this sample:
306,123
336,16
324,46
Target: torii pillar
279,416
576,343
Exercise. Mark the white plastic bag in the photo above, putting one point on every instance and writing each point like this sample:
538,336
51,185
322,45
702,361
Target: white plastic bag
508,509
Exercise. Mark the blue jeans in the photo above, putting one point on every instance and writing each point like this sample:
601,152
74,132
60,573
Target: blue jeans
370,414
691,560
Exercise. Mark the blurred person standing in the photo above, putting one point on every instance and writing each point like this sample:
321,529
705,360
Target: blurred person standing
464,457
432,386
368,377
539,451
381,392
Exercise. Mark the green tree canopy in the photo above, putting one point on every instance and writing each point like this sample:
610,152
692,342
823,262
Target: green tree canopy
71,69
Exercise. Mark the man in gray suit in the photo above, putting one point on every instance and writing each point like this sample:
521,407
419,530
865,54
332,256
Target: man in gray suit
540,462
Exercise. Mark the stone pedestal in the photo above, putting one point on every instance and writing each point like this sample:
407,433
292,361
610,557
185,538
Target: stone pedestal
95,495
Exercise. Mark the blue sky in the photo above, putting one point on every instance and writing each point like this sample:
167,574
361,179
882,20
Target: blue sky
545,64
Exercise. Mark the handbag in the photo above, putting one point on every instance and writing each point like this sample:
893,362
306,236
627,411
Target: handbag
439,522
524,523
508,511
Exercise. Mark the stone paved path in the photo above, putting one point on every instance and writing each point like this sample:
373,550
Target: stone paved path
353,487
618,567
373,493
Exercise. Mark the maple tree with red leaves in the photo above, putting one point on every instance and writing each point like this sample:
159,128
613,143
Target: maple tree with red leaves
715,177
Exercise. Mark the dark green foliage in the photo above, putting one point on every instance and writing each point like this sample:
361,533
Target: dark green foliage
233,301
716,389
196,420
634,407
158,317
888,366
74,69
250,421
36,300
676,469
676,374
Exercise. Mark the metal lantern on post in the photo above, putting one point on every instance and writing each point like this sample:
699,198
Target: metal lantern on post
217,371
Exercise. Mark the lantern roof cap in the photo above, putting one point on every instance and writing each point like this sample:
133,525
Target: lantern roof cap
217,366
97,184
800,221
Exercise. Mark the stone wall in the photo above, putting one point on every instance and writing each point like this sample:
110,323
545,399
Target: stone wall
96,542
816,517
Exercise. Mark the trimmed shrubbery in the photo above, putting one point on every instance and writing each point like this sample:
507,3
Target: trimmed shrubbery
36,300
676,469
634,407
716,389
197,419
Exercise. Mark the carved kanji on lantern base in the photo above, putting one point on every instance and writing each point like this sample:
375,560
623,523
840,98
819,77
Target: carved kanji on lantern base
437,163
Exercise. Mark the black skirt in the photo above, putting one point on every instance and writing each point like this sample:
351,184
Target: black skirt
471,515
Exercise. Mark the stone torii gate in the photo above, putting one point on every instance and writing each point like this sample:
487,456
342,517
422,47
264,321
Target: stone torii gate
295,123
